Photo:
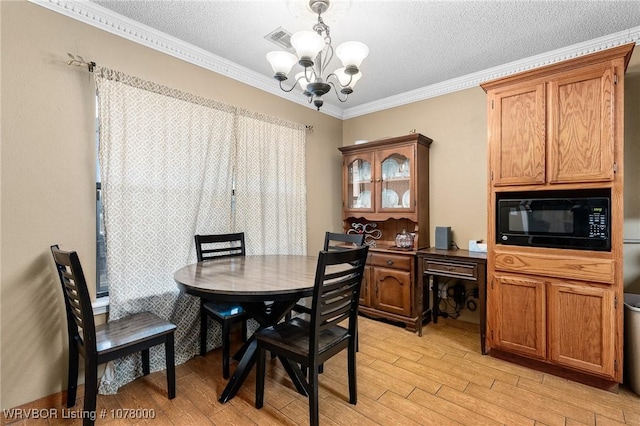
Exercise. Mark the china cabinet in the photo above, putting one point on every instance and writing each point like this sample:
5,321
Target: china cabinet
559,128
385,193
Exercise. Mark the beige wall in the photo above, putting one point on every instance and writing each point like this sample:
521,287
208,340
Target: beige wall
457,123
47,173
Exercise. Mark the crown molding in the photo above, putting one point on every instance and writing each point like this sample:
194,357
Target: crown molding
105,19
474,80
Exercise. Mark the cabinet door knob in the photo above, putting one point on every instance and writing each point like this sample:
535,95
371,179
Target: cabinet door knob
389,262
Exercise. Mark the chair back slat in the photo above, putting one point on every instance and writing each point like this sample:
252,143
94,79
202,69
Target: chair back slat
335,241
80,322
219,246
337,297
336,291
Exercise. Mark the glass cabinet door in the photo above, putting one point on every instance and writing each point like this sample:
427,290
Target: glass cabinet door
396,171
359,183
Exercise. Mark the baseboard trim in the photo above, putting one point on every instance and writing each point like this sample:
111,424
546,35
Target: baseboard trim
584,378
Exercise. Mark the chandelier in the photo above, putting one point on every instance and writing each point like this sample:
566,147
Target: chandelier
314,52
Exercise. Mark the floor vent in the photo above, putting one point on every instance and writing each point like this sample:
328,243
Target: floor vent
281,37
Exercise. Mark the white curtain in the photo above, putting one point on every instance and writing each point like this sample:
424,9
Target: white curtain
270,185
167,161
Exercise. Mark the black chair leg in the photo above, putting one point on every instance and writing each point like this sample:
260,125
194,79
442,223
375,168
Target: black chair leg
244,330
72,382
314,414
171,366
226,342
353,388
260,373
145,362
90,392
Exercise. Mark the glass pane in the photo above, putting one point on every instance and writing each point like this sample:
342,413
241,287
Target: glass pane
396,182
359,186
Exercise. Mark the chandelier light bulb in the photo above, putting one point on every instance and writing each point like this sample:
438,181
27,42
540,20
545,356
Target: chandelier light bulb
300,77
352,53
281,63
347,80
307,44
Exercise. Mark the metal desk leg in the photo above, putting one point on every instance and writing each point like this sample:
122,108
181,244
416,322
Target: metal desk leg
436,299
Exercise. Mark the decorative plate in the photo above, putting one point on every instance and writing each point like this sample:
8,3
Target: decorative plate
406,199
389,198
390,168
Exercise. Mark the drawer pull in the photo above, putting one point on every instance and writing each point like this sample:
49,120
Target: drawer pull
389,262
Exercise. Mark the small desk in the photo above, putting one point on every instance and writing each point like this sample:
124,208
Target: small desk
267,287
464,264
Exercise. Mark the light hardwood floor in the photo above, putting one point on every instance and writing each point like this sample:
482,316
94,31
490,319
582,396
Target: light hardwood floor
437,379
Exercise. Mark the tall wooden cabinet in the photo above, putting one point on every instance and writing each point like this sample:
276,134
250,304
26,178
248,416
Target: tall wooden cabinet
558,127
385,191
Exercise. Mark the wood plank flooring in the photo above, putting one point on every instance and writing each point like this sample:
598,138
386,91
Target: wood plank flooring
437,379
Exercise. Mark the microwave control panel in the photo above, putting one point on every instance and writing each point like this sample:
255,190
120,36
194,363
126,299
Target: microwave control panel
598,227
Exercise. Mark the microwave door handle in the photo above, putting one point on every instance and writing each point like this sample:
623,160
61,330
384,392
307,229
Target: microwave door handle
525,219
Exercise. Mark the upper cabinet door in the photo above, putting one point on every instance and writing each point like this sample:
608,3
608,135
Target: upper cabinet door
358,183
517,134
581,134
394,172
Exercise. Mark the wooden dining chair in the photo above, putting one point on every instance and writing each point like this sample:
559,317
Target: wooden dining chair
226,314
332,242
309,343
105,342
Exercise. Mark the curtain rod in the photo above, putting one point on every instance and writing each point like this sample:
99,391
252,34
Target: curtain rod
79,61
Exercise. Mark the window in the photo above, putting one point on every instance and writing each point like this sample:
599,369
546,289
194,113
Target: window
102,285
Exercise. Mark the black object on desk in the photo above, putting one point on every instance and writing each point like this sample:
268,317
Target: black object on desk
463,264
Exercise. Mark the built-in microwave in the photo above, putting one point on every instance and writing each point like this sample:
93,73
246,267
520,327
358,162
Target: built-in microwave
554,220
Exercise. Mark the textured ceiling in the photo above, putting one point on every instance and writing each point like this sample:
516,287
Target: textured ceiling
412,44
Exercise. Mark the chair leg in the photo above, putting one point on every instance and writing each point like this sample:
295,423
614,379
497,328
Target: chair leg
145,362
260,372
353,389
314,414
204,319
90,392
244,330
170,361
226,343
357,343
72,377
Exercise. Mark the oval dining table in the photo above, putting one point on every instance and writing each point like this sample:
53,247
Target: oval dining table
267,287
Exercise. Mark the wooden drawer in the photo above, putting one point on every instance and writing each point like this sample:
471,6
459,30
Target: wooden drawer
588,268
467,271
390,261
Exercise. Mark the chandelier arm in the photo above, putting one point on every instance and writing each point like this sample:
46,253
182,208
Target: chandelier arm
346,96
328,57
312,77
292,87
